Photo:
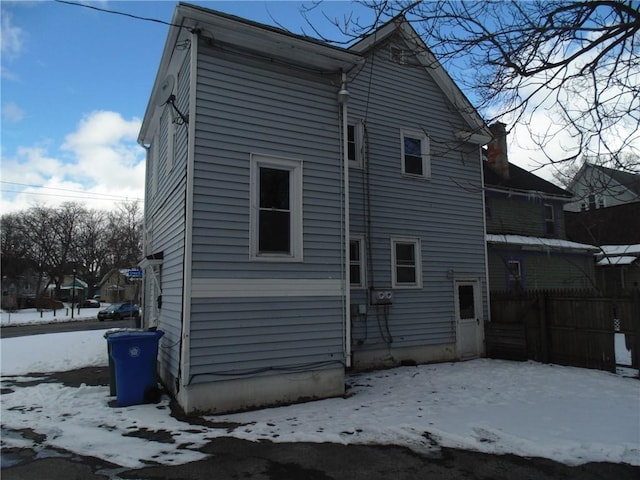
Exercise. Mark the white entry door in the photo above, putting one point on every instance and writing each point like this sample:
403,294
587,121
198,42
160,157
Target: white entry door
469,321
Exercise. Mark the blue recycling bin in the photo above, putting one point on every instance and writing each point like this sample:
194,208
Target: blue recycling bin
135,356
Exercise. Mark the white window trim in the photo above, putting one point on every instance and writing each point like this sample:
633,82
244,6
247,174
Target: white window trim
363,270
425,152
359,140
418,254
295,202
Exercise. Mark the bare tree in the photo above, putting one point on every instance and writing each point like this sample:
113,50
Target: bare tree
125,231
568,70
92,253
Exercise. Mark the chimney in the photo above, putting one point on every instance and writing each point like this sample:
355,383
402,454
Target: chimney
497,157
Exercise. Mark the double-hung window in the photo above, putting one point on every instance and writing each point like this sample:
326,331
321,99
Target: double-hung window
406,268
276,209
415,154
356,263
549,220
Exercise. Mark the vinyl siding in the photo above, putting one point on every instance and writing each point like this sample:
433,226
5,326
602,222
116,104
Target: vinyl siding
542,270
247,107
165,224
522,216
445,212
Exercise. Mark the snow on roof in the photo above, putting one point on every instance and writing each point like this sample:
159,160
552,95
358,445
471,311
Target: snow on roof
551,243
621,260
621,249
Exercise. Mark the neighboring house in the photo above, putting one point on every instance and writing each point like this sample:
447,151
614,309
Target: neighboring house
116,286
618,268
20,291
595,186
527,246
73,289
616,231
268,195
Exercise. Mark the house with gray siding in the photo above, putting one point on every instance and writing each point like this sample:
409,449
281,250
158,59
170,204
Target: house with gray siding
308,209
526,237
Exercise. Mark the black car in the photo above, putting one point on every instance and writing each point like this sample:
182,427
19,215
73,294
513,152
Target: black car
116,311
89,303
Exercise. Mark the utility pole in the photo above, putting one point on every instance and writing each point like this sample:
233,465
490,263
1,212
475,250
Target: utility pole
73,293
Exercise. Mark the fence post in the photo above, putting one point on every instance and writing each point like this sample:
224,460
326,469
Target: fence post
635,350
544,330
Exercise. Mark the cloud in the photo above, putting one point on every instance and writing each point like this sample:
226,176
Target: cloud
12,113
12,38
99,164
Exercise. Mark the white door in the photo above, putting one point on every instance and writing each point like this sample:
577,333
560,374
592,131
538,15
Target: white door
469,322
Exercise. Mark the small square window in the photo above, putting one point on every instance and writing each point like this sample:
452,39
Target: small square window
406,263
514,275
415,154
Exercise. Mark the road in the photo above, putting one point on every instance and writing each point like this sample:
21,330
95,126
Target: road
10,331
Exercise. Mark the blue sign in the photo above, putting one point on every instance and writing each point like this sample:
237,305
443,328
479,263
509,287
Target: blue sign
136,273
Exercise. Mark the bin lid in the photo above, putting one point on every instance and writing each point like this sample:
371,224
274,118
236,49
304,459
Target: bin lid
120,330
134,335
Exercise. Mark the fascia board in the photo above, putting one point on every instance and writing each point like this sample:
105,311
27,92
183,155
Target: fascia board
267,40
248,36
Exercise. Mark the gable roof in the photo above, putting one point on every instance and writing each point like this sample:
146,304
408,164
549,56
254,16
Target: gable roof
630,181
239,34
521,181
478,131
626,179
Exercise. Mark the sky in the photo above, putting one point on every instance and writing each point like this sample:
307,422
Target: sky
75,86
75,83
570,415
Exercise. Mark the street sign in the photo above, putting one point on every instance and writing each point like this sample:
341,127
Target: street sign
134,273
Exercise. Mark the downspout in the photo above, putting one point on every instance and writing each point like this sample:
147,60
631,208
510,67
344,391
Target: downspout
484,230
343,98
185,353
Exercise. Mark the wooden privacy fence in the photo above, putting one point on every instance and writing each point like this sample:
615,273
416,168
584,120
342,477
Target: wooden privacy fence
566,327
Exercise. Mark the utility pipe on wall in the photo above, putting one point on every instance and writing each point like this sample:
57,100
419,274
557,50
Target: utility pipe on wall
343,98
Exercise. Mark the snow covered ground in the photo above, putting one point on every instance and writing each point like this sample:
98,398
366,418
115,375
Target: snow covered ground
31,315
566,414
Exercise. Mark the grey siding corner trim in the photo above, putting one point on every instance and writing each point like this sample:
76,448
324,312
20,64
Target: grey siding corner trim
265,287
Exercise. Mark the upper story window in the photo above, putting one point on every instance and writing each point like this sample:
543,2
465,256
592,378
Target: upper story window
276,209
355,134
415,154
549,220
406,268
171,140
356,262
514,274
155,161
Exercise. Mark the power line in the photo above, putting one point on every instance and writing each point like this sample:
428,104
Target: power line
124,14
84,194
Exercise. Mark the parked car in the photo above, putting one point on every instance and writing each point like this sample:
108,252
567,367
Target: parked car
45,303
89,303
116,311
